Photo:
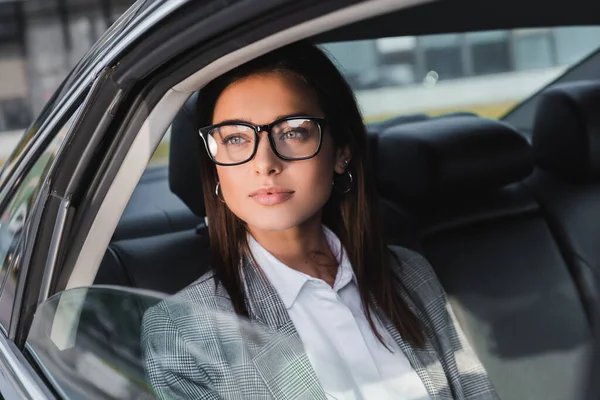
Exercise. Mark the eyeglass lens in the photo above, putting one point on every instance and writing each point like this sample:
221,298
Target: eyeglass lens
292,139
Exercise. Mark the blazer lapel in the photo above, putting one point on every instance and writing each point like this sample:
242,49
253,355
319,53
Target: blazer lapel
425,361
281,362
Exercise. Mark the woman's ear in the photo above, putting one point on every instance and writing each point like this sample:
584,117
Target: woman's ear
343,156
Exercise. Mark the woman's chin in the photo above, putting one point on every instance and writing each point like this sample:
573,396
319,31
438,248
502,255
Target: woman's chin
272,226
275,222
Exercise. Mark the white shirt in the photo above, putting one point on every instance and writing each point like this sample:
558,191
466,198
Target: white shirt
349,360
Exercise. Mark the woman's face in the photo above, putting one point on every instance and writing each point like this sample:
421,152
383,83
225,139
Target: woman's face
302,187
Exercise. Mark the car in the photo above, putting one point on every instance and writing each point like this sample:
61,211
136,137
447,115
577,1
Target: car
94,230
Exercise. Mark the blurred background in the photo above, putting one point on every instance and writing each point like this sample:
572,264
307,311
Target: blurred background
40,42
481,72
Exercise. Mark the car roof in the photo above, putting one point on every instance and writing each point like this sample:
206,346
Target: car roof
437,17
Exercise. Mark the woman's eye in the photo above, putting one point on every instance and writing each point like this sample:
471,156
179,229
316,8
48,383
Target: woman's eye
233,140
295,134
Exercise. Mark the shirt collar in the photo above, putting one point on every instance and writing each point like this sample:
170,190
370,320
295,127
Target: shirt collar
345,272
287,281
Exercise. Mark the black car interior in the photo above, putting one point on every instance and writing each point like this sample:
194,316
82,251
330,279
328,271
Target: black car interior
509,222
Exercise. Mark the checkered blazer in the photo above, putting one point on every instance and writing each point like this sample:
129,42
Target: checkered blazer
195,347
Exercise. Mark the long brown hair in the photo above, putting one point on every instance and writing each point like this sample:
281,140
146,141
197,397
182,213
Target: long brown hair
352,216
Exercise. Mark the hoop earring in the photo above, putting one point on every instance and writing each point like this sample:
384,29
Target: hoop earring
221,199
348,186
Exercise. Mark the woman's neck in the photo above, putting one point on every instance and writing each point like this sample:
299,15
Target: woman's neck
303,248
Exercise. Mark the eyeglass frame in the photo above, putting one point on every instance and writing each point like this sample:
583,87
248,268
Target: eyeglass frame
320,121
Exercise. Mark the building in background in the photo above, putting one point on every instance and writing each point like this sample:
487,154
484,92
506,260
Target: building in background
40,42
483,72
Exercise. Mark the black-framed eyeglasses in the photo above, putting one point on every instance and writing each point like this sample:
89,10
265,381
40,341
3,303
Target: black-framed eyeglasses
291,139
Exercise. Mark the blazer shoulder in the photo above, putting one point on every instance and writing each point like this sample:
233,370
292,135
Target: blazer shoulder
404,260
204,288
403,254
414,271
203,294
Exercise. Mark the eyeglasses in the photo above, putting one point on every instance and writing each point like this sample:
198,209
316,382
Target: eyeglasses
291,138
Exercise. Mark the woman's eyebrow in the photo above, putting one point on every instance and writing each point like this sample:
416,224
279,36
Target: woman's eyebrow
233,122
247,120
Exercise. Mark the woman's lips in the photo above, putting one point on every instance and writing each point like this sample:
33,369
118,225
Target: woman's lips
271,196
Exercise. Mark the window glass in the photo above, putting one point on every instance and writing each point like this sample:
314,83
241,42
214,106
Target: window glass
24,139
533,49
486,72
88,341
442,54
489,52
363,71
14,216
572,42
100,342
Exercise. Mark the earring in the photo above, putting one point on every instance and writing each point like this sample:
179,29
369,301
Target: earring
349,184
221,199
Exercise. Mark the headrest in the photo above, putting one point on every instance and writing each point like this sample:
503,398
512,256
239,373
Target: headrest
449,156
379,127
566,134
184,159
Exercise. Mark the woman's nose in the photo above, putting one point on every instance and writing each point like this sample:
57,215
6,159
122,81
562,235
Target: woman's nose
266,161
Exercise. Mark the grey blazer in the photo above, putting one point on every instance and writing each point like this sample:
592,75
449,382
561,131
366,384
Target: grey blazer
195,347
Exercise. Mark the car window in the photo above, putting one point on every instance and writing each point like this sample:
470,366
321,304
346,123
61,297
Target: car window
486,73
87,341
14,216
28,135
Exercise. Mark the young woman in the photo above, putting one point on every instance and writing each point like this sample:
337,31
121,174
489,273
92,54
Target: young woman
297,249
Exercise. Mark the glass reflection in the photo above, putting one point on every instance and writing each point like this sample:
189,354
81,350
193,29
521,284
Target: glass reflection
87,341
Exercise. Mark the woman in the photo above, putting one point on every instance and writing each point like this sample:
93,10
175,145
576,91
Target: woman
296,247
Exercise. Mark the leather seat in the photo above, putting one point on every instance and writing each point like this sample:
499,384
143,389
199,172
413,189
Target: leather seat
153,209
492,249
164,263
566,149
